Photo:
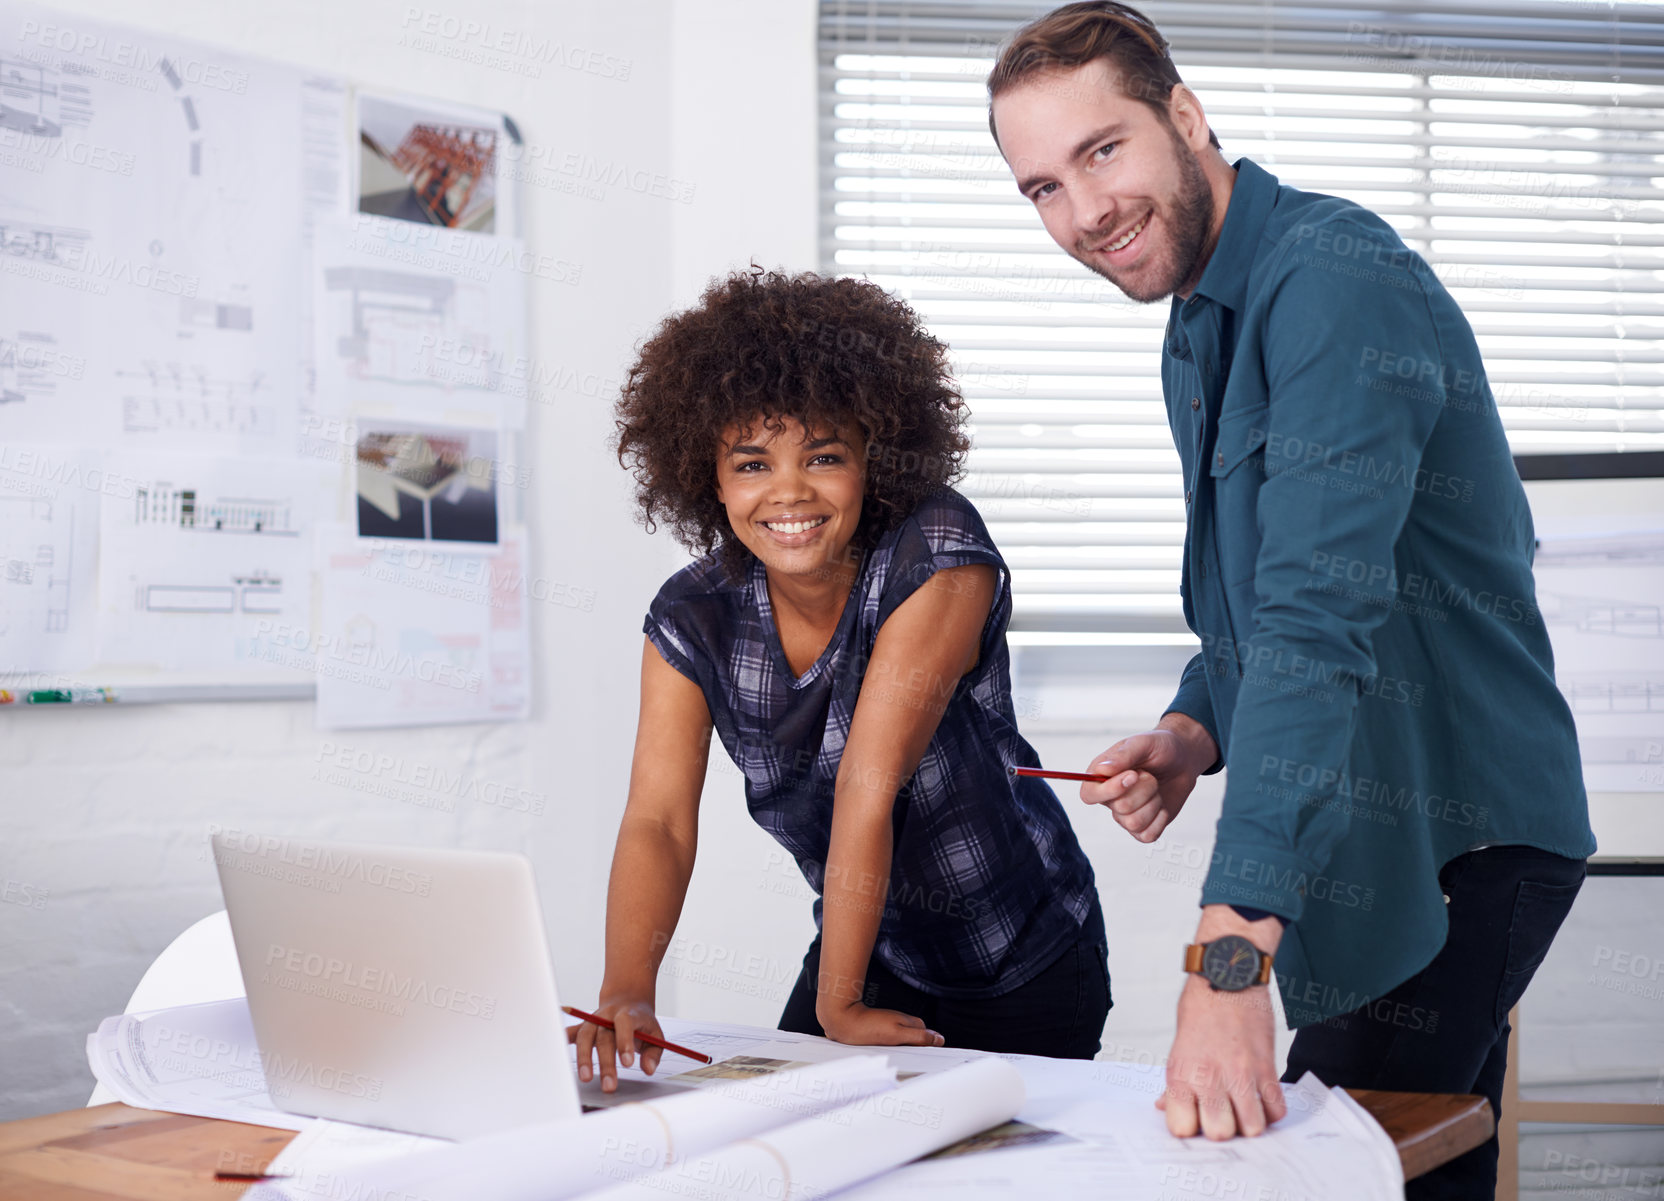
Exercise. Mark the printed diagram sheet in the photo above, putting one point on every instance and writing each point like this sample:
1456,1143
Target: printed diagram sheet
205,563
1117,1145
48,560
1602,601
412,635
420,322
154,198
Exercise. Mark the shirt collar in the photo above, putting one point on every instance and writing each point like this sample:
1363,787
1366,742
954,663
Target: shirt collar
1225,278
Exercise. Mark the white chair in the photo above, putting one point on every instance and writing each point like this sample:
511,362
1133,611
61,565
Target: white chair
200,965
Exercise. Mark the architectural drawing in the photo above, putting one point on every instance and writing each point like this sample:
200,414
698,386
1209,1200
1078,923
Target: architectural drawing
204,561
177,398
48,531
1601,597
418,323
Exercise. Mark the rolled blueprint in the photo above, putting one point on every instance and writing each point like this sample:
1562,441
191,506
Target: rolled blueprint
551,1160
844,1146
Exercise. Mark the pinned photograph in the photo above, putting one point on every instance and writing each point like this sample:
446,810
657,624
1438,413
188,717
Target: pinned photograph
428,166
428,483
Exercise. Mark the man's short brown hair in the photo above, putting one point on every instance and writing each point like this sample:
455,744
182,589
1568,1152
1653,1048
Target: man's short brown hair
1077,34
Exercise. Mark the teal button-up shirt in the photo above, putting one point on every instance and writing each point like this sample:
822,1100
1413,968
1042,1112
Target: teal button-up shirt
1357,564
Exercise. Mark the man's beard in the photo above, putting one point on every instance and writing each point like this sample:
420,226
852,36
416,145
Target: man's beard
1187,224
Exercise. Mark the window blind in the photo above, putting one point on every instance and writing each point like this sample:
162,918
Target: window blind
1518,145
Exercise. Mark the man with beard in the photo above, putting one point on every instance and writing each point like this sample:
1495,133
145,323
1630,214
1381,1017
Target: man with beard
1404,825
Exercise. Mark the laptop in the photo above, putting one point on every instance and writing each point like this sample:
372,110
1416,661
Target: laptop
401,987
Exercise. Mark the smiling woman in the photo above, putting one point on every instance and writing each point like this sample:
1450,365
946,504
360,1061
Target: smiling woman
843,634
760,348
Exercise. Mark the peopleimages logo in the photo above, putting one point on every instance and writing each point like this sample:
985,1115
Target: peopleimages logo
120,269
428,29
194,1054
395,770
342,979
458,251
101,47
314,649
78,153
327,861
1321,782
48,474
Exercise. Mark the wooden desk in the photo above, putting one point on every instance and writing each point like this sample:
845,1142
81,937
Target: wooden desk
113,1153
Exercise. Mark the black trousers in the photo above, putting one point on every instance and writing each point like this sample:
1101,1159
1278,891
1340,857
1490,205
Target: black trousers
1445,1030
1059,1013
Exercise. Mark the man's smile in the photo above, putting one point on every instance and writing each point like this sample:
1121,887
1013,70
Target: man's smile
1125,240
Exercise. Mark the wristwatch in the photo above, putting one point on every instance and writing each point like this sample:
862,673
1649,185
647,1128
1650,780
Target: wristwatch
1229,964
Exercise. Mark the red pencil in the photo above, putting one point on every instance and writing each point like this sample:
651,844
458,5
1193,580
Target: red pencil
1043,774
698,1056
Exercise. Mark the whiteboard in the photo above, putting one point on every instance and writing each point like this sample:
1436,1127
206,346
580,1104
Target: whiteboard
247,310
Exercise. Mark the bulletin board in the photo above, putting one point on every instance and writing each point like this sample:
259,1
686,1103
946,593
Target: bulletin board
263,384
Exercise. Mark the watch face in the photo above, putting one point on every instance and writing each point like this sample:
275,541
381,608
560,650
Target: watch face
1231,963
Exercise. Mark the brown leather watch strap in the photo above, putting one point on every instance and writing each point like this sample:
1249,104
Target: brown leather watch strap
1193,953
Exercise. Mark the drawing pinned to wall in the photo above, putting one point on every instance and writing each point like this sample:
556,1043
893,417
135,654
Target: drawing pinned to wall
48,557
33,365
415,635
36,99
434,484
432,164
182,398
153,217
1602,600
204,561
423,322
46,357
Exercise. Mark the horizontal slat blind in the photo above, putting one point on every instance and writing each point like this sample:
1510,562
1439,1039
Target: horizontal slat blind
1516,144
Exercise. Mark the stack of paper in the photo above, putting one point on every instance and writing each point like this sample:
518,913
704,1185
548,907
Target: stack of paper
197,1059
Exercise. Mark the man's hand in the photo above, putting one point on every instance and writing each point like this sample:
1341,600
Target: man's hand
1222,1071
860,1026
1153,775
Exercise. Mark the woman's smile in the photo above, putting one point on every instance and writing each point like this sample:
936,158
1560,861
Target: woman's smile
793,496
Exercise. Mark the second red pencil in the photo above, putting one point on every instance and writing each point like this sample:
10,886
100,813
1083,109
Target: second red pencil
1043,774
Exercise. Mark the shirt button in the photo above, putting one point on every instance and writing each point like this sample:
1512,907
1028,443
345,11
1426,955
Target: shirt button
1195,403
1446,898
1187,496
1219,459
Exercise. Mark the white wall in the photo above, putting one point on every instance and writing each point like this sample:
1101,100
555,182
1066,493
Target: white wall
743,122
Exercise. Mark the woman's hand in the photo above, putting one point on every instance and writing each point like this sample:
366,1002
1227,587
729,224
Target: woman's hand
860,1026
628,1015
